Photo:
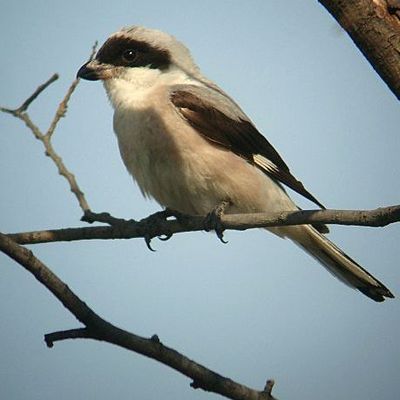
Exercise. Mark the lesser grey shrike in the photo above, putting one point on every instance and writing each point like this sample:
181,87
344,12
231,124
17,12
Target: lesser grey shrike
188,145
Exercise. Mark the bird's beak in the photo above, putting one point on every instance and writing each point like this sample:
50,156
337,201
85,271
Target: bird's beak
94,71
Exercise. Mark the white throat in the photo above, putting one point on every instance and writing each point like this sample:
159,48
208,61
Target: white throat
134,84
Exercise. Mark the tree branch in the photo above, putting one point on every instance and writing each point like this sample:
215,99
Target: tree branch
155,226
24,106
62,108
22,113
99,329
79,333
374,26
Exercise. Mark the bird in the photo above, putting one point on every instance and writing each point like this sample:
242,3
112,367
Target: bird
189,146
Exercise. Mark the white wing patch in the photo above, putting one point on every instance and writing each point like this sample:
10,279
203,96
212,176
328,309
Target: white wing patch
265,164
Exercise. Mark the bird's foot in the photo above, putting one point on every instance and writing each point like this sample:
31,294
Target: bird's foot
156,223
212,221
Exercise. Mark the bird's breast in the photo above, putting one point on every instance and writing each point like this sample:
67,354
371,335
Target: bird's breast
166,158
144,146
175,165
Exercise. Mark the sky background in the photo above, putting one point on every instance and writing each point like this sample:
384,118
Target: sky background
253,309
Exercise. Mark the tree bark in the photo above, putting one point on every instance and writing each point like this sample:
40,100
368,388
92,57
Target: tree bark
374,26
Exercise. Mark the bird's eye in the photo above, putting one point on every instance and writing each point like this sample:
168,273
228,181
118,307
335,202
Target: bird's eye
129,55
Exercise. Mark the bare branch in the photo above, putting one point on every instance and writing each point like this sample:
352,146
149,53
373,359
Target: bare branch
24,106
99,329
157,227
22,114
50,152
93,52
62,108
80,333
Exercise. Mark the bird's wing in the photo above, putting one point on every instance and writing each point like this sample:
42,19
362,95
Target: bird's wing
219,120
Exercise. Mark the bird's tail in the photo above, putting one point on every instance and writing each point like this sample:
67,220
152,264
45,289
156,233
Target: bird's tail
337,262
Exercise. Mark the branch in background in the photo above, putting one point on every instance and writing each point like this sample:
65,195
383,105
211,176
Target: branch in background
157,226
374,26
99,329
22,113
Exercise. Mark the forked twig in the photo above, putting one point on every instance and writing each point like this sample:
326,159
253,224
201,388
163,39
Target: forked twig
22,113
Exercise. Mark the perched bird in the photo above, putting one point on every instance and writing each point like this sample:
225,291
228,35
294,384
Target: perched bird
190,146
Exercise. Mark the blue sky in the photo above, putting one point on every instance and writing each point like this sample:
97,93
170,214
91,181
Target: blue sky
255,308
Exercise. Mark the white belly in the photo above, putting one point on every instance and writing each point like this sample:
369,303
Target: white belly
184,172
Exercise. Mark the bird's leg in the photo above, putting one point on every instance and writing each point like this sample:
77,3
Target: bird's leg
212,221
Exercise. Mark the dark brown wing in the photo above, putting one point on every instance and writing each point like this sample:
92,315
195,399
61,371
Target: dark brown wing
211,113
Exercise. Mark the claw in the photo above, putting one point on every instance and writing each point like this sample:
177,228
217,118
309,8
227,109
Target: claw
154,220
165,237
147,240
220,235
213,221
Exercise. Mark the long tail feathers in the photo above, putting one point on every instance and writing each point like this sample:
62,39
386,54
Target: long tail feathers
339,263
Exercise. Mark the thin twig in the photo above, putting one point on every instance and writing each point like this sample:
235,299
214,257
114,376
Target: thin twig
22,114
99,329
37,92
151,227
79,333
62,108
94,49
24,106
46,140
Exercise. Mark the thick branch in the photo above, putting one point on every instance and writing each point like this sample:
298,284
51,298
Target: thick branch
99,329
374,26
156,227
